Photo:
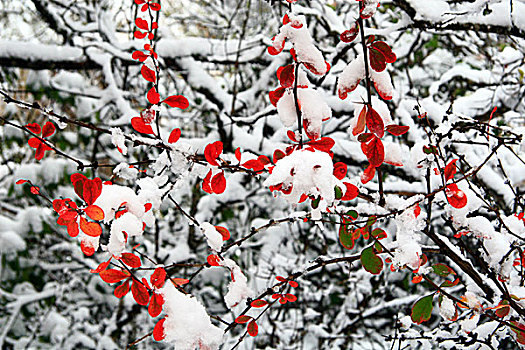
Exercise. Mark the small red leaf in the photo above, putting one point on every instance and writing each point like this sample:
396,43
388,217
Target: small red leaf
158,330
178,101
179,281
213,260
218,183
455,196
148,74
397,130
286,75
158,277
131,260
276,95
243,319
325,144
48,129
349,35
94,212
259,303
92,190
33,127
386,50
212,151
139,125
86,248
374,151
374,122
122,290
351,192
155,305
140,293
35,190
377,60
92,229
224,232
238,154
19,182
101,267
174,135
113,275
290,297
450,169
139,35
252,328
141,23
139,55
154,6
368,174
153,96
206,183
340,170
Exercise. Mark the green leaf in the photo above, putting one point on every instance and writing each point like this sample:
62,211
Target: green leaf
442,270
422,309
371,262
371,220
345,238
379,233
315,203
338,193
352,214
450,283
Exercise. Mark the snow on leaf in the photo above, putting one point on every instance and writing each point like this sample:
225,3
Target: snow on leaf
158,330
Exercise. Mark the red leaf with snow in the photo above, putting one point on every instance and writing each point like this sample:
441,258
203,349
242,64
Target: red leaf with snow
174,135
349,35
140,293
139,125
113,275
122,290
368,174
218,183
213,260
206,183
177,101
158,277
158,330
148,74
455,196
224,232
397,130
351,192
374,122
212,151
276,95
153,96
86,248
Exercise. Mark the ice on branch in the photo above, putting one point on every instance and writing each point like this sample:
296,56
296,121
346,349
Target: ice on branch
355,72
295,29
238,289
305,173
187,325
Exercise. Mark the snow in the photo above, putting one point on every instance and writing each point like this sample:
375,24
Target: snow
238,289
213,237
187,324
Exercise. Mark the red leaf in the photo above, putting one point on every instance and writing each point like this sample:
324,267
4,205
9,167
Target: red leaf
374,151
140,293
213,260
290,297
286,75
178,101
40,151
153,96
417,210
148,74
259,303
158,330
101,267
276,95
218,183
455,196
325,144
94,212
374,122
349,35
179,281
139,35
277,155
155,304
33,127
377,60
206,183
238,154
224,232
154,6
340,170
293,284
139,125
92,190
86,248
22,181
139,55
35,190
291,135
254,164
122,290
73,231
212,152
252,328
141,23
243,319
386,50
368,174
48,129
158,277
34,142
351,192
450,169
113,275
397,130
174,135
131,260
90,228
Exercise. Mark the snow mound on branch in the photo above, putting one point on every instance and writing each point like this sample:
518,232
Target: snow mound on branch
214,238
238,289
305,172
187,324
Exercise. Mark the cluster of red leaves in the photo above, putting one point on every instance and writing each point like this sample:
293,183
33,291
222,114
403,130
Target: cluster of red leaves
213,183
349,233
38,142
71,216
380,54
34,189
